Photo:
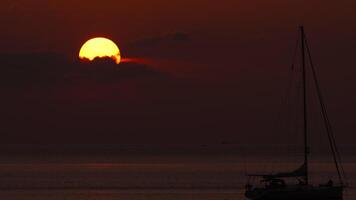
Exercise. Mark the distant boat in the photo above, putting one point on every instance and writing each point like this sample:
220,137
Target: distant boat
275,184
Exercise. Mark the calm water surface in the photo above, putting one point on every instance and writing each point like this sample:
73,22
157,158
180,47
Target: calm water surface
142,178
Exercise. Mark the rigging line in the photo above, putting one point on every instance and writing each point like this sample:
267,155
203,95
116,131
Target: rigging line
336,156
298,100
295,97
295,53
336,153
285,102
297,87
331,136
305,106
335,147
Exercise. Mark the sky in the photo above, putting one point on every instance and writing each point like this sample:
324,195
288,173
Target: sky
205,72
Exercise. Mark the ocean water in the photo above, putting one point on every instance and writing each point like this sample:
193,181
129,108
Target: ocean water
214,177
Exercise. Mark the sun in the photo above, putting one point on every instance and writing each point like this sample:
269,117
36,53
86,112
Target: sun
100,48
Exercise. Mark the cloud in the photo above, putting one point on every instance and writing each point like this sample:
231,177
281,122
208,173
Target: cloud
106,70
167,39
163,46
25,69
53,78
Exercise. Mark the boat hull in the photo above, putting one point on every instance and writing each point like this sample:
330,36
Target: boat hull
297,193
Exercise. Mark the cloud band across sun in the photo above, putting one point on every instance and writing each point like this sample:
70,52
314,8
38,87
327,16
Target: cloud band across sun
100,48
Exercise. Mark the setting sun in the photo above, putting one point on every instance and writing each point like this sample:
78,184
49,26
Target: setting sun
100,48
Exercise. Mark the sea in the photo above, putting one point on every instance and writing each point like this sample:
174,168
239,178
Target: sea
146,177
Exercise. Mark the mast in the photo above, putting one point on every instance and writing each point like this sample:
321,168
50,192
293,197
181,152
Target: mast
305,110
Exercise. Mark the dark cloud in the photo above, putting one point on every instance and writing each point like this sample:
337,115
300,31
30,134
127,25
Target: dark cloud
105,70
171,38
162,46
46,69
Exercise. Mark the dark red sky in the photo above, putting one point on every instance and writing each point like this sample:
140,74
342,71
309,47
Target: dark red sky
222,83
61,25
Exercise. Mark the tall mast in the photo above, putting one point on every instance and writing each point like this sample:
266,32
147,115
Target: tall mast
305,110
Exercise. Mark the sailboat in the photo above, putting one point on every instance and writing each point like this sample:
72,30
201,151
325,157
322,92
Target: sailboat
275,186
